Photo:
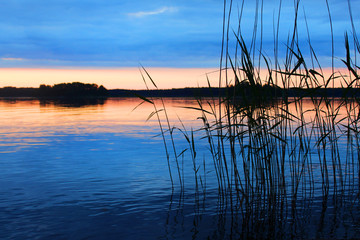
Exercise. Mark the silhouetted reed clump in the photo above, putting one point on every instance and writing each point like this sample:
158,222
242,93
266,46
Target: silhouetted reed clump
269,147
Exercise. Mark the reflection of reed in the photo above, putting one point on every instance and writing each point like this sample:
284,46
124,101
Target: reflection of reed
318,218
272,160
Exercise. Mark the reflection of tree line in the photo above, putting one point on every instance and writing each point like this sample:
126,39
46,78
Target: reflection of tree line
71,102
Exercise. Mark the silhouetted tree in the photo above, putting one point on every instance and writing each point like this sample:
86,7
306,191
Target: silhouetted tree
74,90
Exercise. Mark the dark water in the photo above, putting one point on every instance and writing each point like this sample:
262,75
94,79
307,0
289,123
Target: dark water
96,171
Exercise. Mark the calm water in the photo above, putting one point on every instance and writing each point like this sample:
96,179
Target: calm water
99,171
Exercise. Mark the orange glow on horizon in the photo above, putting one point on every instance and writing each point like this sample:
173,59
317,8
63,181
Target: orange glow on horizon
121,78
126,78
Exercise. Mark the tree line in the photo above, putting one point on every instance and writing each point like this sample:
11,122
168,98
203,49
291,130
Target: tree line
66,90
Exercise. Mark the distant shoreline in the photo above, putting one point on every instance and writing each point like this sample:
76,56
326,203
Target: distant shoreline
12,92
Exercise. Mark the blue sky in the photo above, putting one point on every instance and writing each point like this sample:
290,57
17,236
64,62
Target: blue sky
158,33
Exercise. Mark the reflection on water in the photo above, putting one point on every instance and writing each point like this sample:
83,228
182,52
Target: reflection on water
73,102
99,172
30,122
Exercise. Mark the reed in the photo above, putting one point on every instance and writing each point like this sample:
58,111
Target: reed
269,147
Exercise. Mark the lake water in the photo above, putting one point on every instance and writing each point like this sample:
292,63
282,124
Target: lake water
99,171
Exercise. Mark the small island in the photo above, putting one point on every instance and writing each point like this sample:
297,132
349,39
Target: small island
62,90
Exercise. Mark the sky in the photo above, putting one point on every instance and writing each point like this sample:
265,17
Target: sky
50,41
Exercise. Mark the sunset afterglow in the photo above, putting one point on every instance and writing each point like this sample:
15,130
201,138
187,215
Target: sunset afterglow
178,42
122,78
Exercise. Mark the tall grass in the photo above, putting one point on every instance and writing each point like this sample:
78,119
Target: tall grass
268,146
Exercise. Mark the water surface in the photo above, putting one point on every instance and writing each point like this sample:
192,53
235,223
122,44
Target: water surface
99,171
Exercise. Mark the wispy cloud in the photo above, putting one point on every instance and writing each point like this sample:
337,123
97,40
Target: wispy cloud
13,59
155,12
